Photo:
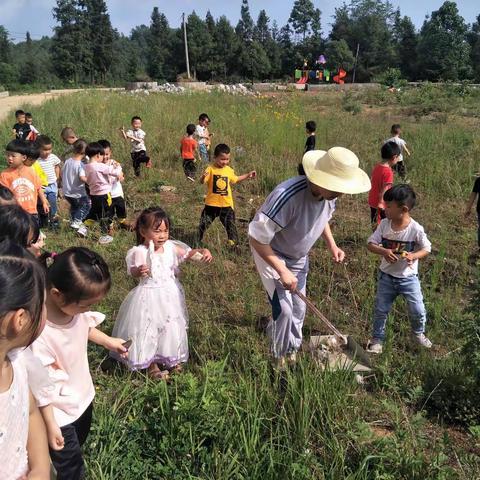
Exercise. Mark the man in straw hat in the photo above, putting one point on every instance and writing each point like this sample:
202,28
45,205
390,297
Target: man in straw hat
294,216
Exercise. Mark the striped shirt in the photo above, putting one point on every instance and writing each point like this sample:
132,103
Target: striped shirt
291,220
48,166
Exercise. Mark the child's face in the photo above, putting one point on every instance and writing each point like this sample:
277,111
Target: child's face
205,122
97,158
72,309
107,155
15,160
29,120
158,234
393,161
70,139
29,161
394,211
45,151
222,160
137,124
21,119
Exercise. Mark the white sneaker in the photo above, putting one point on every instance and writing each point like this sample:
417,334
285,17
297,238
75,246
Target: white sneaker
76,225
374,346
82,230
105,240
422,340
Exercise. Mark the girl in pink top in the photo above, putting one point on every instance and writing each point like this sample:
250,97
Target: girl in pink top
77,279
23,440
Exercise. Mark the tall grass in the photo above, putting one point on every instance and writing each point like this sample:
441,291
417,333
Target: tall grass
228,416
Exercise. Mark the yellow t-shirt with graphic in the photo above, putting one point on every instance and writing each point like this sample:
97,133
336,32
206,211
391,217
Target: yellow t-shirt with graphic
219,181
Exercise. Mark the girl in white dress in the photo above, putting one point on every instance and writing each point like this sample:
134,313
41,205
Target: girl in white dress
23,439
153,315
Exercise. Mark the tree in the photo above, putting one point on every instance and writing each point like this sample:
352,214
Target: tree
244,27
261,32
303,15
406,41
158,48
443,52
225,46
199,46
255,62
29,72
5,46
474,41
339,55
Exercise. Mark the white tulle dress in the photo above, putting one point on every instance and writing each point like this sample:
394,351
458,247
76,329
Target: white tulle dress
154,314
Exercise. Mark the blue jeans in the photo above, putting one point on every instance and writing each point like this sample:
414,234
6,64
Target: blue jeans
51,192
388,288
79,208
202,148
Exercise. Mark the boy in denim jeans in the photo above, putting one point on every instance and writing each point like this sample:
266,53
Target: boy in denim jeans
401,241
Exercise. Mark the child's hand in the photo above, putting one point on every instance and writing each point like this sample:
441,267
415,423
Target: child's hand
288,280
389,256
55,437
408,256
46,207
116,345
207,256
141,271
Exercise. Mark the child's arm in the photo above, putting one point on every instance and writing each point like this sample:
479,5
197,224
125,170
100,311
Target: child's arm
43,199
110,343
381,203
124,134
57,171
386,253
37,445
205,176
471,201
54,434
406,149
410,257
205,253
246,176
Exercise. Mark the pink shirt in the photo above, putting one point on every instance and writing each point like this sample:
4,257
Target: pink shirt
98,177
62,349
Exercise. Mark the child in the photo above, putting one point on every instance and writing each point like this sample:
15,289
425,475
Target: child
219,200
401,241
153,315
69,137
77,279
382,180
119,209
24,452
34,133
22,180
74,178
137,138
310,128
21,130
203,137
17,225
475,196
189,152
396,132
50,164
99,177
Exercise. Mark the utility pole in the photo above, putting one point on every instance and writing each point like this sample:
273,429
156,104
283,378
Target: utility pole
186,45
355,64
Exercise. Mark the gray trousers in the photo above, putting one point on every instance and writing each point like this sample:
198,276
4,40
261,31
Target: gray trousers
288,311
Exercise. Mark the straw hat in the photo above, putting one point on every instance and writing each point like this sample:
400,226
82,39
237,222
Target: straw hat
336,170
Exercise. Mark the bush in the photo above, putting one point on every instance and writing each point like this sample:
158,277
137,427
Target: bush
392,77
351,104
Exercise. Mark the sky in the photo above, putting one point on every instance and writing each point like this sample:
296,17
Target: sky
18,16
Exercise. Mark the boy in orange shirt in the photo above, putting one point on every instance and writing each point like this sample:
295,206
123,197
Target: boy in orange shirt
189,152
22,180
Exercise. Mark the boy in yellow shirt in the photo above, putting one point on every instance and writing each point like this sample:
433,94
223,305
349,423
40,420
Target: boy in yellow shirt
219,200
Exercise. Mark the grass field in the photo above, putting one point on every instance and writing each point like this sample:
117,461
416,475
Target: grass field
228,416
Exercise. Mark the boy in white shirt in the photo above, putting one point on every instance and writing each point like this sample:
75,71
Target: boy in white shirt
401,241
136,136
396,131
203,137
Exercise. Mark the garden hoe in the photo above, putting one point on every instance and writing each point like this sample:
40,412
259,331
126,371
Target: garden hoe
346,341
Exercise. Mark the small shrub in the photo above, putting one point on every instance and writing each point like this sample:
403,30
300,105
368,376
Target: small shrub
351,104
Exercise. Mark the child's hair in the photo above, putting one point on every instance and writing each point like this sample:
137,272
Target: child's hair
150,218
396,128
389,150
18,146
311,126
94,149
67,132
190,129
220,149
79,274
203,116
17,225
105,143
6,196
136,117
43,141
22,285
28,115
402,194
79,146
19,112
34,151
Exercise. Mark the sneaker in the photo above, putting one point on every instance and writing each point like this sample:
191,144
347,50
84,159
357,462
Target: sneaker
374,346
82,230
422,340
191,179
105,240
76,224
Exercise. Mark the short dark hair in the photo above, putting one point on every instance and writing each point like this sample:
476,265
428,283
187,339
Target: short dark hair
396,127
34,152
43,141
190,129
94,149
79,146
151,217
6,196
135,118
220,149
18,146
311,126
17,225
402,195
28,115
19,112
104,143
389,150
203,116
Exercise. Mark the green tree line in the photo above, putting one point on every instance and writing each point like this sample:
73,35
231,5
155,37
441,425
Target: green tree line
86,49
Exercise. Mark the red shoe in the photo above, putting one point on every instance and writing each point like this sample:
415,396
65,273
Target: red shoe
149,164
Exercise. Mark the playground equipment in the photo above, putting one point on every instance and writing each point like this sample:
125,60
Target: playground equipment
319,75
